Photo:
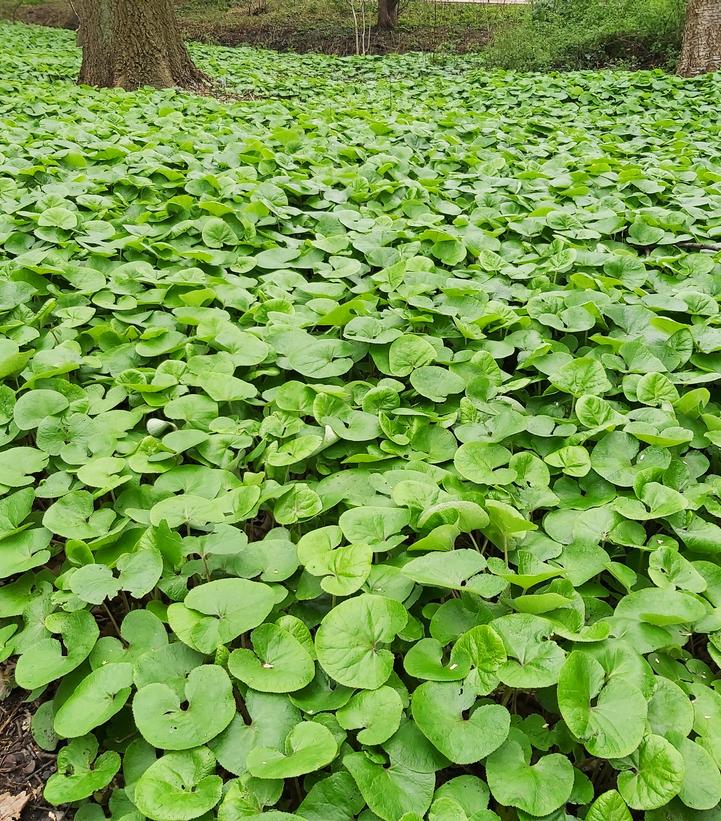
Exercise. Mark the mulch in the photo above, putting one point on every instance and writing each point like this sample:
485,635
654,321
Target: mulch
24,767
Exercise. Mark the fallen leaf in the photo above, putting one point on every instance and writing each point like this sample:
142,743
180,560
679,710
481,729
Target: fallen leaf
12,805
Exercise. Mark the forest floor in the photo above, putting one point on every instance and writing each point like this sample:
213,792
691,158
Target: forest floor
311,25
24,767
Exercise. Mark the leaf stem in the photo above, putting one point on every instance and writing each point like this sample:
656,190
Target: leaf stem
114,623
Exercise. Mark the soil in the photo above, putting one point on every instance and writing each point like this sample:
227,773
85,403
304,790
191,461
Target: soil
24,767
325,41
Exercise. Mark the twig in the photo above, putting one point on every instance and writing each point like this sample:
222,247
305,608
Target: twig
112,619
706,247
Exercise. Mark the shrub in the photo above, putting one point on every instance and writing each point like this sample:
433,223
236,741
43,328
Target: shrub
582,34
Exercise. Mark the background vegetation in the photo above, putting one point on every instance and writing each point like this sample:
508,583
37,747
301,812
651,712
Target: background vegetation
548,34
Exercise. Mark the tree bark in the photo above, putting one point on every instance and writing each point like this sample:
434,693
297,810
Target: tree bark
387,14
701,50
133,43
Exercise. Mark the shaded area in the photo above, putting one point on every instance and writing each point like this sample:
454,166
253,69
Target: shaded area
24,767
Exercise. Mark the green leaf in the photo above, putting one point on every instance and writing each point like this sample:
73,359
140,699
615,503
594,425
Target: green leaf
23,551
407,353
179,786
377,713
299,502
701,787
278,663
272,718
164,722
656,776
581,376
58,217
35,405
435,383
308,747
97,698
94,583
424,660
343,569
390,791
216,612
374,526
482,650
457,570
467,792
533,659
655,389
448,716
74,517
216,233
609,807
537,789
351,640
606,712
81,771
482,463
573,460
47,659
335,798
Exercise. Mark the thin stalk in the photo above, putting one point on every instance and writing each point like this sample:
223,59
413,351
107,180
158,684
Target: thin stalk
355,26
114,623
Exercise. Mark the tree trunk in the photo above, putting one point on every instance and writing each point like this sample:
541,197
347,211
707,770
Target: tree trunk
133,43
701,50
387,14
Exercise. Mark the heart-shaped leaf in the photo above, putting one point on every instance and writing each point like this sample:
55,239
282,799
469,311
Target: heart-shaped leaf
272,719
81,771
608,715
215,613
165,723
424,660
461,729
377,712
308,747
278,663
656,776
179,786
609,807
390,791
48,659
534,660
537,789
351,640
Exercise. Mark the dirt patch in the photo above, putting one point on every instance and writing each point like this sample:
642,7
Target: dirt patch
56,15
331,40
24,767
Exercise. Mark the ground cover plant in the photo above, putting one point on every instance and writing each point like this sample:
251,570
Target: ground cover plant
359,449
